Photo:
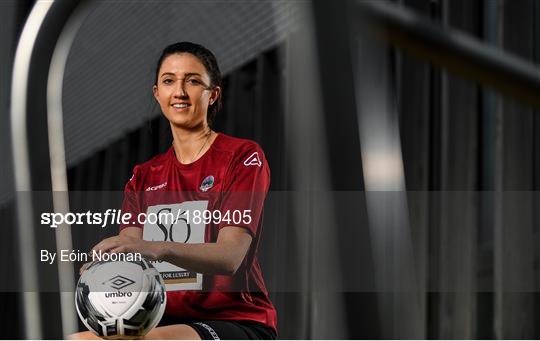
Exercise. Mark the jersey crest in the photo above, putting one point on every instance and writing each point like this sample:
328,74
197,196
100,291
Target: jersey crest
207,183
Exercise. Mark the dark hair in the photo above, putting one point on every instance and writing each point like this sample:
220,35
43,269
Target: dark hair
207,58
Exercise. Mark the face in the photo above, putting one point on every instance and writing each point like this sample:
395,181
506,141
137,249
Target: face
183,91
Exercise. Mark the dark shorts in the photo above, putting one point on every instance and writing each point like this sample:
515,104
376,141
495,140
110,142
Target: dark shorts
225,330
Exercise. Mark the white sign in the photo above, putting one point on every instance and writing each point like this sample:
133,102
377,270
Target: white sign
171,223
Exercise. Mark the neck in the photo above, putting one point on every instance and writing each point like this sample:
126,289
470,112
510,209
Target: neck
184,136
189,145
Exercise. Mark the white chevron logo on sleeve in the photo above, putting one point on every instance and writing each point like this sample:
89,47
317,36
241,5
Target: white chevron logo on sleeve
253,160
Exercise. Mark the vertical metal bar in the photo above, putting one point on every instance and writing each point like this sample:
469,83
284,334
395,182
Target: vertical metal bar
385,191
58,164
26,239
54,15
491,108
515,282
312,203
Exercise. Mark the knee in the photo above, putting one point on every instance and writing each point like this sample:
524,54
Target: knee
83,336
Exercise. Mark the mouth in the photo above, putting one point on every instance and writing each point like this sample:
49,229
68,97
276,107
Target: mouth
180,105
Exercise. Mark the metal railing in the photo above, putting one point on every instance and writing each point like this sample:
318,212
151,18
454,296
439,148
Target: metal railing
455,51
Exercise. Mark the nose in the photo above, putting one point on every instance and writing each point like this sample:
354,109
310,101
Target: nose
180,89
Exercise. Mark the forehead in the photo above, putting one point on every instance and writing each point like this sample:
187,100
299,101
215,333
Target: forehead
182,63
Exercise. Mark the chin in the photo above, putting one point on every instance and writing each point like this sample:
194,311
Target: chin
178,119
185,121
185,124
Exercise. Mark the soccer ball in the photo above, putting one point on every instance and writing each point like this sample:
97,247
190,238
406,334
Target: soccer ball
120,299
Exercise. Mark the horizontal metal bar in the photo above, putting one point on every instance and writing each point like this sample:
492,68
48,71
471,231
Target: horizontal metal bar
456,51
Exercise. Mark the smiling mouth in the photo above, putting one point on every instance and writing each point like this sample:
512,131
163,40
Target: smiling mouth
180,105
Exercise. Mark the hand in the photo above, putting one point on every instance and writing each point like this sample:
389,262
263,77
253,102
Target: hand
125,244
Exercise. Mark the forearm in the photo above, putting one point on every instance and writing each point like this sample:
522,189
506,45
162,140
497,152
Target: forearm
207,258
223,257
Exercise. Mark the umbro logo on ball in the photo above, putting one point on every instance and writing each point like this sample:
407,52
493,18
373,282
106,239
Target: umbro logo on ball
119,282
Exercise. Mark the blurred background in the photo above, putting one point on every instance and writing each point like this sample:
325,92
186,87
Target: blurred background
402,138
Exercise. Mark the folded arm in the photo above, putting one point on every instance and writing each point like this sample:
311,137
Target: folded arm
223,257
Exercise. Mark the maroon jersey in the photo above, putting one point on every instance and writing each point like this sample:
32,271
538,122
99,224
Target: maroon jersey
225,187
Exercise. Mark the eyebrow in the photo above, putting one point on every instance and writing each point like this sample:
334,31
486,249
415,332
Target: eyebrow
186,75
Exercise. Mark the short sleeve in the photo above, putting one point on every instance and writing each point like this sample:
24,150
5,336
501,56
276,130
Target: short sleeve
245,190
132,202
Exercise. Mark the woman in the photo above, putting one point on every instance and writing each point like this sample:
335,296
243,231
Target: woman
202,172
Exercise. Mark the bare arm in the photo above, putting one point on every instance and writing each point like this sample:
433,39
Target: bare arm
132,231
223,257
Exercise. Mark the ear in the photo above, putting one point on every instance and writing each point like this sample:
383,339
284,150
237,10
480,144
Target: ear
216,92
155,92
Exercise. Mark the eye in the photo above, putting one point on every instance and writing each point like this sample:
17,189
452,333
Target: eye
167,81
194,82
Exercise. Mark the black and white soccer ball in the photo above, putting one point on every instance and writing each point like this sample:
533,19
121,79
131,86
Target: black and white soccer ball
120,299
